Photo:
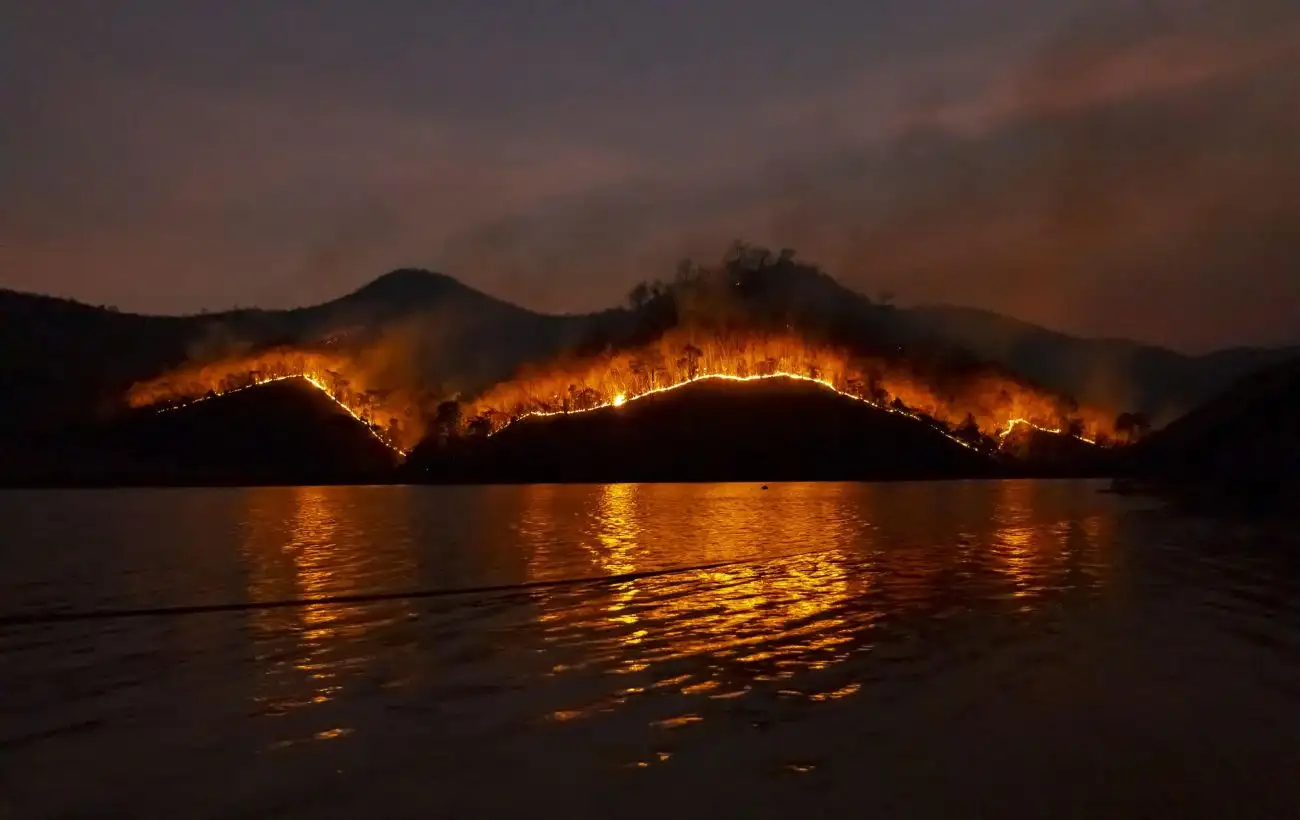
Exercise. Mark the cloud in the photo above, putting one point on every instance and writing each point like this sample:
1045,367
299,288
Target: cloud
1139,177
186,192
1132,172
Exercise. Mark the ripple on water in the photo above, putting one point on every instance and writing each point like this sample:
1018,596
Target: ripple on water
829,625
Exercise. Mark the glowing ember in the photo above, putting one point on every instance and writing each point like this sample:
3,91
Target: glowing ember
1056,431
188,387
620,400
314,382
963,406
976,407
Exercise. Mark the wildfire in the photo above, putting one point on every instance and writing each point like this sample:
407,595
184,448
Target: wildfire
620,400
977,408
1056,431
380,412
306,378
993,403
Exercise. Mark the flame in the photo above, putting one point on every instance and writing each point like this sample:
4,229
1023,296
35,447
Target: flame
997,403
620,400
1004,434
994,402
188,386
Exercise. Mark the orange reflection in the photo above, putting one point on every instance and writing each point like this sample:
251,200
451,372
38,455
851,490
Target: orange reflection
1014,538
767,618
306,544
616,529
813,576
616,535
1043,542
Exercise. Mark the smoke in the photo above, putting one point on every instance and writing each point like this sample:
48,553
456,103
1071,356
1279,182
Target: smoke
1138,177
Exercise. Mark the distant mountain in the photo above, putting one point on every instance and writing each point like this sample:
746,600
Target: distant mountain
62,362
1114,373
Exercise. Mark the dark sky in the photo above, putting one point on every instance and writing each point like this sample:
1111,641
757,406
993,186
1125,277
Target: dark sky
1114,167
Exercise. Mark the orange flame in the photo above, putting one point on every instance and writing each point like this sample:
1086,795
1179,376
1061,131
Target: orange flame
995,402
387,414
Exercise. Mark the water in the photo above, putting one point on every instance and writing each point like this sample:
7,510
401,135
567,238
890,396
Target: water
953,649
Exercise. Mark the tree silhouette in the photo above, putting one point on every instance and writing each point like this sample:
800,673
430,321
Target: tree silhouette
639,296
691,356
446,419
654,367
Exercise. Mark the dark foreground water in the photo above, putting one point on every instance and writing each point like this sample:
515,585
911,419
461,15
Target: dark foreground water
1017,649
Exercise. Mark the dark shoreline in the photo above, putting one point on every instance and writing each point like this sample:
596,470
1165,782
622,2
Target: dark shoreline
467,481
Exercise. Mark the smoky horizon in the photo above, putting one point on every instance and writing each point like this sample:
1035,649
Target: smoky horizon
1114,169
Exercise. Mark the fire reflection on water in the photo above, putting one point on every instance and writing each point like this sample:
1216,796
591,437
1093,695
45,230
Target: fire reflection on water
749,621
818,576
720,597
301,544
1037,553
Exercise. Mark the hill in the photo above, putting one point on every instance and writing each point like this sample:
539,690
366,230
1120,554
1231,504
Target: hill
771,430
280,433
1117,373
1248,435
63,364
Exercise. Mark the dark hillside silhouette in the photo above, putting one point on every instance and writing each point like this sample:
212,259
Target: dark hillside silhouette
1160,382
708,431
1246,439
65,369
62,362
281,433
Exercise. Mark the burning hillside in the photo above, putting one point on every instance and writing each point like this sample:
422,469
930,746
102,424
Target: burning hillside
969,405
768,429
755,316
975,408
389,413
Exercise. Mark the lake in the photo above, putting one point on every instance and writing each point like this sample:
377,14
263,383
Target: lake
1003,649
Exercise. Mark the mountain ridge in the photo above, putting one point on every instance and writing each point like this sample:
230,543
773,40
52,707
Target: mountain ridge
56,351
1154,379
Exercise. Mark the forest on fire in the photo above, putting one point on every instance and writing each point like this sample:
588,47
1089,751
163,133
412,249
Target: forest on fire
391,413
759,313
753,314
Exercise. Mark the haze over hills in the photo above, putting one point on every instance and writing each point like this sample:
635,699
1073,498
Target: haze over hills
62,362
1247,434
1117,372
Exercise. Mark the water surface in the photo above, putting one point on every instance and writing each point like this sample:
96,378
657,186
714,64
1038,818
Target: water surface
947,649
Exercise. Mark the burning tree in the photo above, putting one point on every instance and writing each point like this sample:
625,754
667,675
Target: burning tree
386,412
979,403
